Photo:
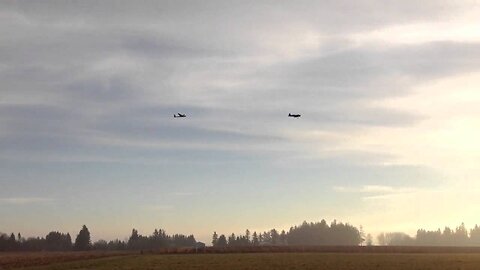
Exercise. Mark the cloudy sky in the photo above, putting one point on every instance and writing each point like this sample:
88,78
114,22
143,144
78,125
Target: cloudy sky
388,92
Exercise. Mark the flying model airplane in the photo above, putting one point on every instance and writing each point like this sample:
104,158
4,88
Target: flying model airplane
179,115
294,115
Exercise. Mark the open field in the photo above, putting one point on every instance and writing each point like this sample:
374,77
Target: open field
24,259
340,261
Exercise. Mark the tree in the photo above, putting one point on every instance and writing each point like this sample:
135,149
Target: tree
369,240
117,245
461,236
83,242
100,245
255,240
266,239
232,240
134,240
12,243
214,239
57,241
398,239
362,234
475,236
222,241
319,233
260,239
283,238
274,237
381,239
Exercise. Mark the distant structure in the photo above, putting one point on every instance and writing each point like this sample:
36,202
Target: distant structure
200,246
179,115
294,115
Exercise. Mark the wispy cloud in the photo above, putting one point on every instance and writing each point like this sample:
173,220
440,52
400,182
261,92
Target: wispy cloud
427,208
382,95
181,193
376,192
25,200
159,207
382,196
373,189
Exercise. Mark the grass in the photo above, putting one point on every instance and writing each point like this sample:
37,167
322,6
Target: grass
272,261
11,260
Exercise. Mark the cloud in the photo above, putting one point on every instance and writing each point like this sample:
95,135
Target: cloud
160,208
110,87
422,208
97,83
387,190
24,200
183,193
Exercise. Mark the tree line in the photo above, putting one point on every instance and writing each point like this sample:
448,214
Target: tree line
57,241
318,233
313,234
459,236
305,234
159,239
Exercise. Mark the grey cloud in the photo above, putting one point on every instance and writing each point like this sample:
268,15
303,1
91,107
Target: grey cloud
24,200
37,119
89,88
337,88
365,71
46,132
200,59
101,90
176,28
168,46
330,15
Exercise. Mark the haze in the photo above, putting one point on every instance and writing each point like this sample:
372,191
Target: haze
388,92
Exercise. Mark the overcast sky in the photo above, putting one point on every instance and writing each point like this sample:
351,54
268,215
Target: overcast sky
388,138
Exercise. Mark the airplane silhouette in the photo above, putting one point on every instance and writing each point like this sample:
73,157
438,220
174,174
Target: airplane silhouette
294,115
179,115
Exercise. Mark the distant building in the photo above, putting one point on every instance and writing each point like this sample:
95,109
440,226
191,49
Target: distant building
200,245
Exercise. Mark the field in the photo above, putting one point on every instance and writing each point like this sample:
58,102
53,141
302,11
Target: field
237,261
15,260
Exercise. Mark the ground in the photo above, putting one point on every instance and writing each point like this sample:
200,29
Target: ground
251,261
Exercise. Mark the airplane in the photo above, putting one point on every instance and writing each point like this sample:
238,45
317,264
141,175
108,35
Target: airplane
179,115
294,115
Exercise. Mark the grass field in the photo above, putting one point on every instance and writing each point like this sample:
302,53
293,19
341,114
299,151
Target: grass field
14,260
272,261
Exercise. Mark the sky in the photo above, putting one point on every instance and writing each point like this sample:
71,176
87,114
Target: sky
388,138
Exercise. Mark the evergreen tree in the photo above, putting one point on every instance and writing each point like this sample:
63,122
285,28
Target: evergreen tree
57,241
68,241
283,238
460,236
222,241
274,237
475,236
232,240
12,243
214,239
260,239
255,240
247,236
266,239
134,240
83,242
